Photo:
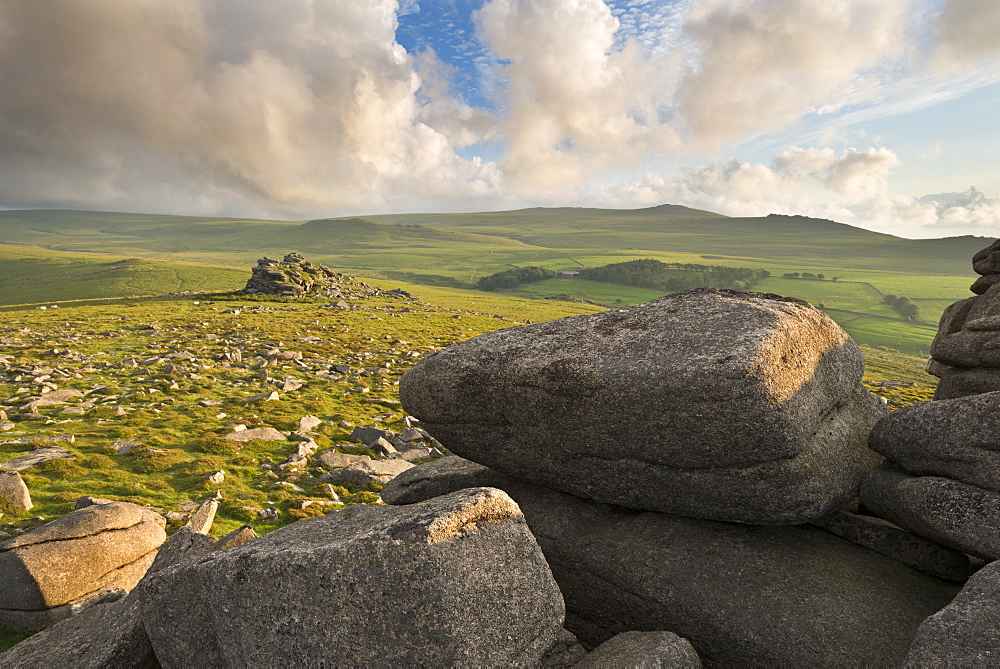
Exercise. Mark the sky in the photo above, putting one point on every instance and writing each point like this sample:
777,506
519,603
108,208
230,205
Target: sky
883,114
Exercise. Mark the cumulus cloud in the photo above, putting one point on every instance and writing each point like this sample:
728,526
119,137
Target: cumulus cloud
224,104
574,104
761,64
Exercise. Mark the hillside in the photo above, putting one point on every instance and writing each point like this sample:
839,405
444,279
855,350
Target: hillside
455,250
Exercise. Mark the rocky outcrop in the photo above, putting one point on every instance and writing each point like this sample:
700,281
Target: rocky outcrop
109,633
456,580
74,557
294,276
713,404
965,353
962,516
743,595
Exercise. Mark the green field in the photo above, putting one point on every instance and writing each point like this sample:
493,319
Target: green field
445,254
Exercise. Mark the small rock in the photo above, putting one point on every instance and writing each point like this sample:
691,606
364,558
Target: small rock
269,513
14,491
264,397
201,521
217,477
122,446
265,433
642,649
237,537
307,423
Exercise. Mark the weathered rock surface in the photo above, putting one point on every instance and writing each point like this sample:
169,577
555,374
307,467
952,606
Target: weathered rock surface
73,557
968,339
265,433
956,438
966,633
962,516
237,537
201,520
377,471
110,634
14,492
714,404
642,650
36,457
883,537
742,595
469,586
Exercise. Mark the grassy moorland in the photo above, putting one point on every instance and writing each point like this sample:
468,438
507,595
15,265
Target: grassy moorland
158,254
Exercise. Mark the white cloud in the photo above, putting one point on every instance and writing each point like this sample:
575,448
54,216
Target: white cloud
219,105
762,64
574,104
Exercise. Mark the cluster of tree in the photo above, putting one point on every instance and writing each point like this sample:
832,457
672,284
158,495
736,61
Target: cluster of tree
904,305
650,273
512,278
807,275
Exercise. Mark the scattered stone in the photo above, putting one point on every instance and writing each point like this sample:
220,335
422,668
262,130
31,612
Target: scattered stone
87,500
382,447
642,649
742,595
73,557
123,446
965,633
235,538
217,477
270,513
369,435
14,492
307,423
413,434
371,471
36,457
264,397
327,577
958,515
335,460
265,433
202,519
715,404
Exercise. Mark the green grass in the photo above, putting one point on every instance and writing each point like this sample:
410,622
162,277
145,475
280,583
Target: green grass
39,275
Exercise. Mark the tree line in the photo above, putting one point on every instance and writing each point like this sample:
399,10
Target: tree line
512,278
650,273
904,306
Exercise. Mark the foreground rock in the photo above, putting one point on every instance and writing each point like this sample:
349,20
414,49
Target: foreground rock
713,404
966,633
75,557
467,582
110,633
742,595
962,516
638,650
956,438
14,492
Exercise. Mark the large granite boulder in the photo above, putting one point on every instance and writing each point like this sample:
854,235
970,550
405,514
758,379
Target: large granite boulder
714,404
966,633
955,438
457,580
955,514
743,595
75,557
108,633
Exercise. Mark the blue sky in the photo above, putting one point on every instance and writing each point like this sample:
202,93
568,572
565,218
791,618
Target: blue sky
878,113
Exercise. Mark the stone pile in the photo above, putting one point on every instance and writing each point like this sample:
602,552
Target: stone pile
294,276
965,355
